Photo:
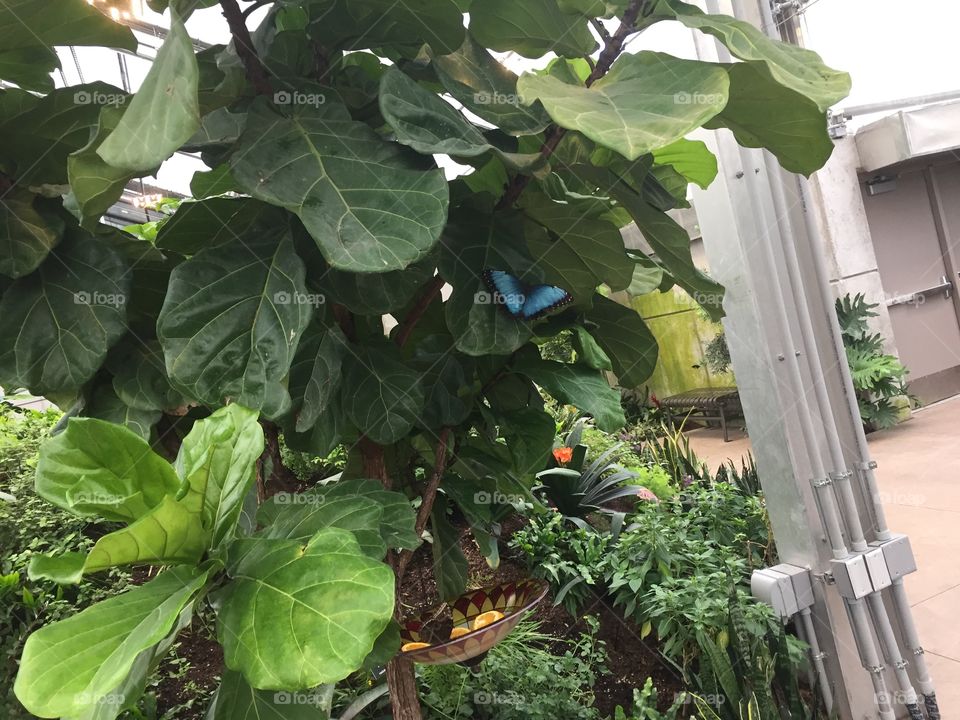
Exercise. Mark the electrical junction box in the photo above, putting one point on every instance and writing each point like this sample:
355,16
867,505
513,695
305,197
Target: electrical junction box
774,589
898,556
802,584
852,577
785,588
877,568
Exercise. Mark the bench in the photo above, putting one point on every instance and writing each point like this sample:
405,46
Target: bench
710,404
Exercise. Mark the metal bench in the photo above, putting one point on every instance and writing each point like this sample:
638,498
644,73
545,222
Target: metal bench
710,404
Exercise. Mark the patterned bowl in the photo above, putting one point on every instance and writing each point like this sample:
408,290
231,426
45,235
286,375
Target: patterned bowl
512,599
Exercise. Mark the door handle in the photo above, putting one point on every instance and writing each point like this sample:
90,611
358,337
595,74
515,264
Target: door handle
919,297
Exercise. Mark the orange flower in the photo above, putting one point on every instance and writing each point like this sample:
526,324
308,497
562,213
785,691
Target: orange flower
563,455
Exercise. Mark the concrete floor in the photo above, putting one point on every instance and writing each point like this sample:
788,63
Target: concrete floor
919,475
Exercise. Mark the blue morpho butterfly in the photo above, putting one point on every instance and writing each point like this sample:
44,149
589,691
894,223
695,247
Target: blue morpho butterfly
526,302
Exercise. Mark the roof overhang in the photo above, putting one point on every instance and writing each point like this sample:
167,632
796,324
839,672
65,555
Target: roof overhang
909,134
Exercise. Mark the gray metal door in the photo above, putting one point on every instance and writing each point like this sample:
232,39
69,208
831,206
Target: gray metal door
911,229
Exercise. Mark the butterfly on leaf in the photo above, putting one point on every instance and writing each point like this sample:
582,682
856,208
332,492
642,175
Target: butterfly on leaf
522,301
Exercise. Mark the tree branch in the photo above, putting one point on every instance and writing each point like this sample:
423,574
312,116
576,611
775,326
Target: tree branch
248,11
417,311
243,43
612,47
441,456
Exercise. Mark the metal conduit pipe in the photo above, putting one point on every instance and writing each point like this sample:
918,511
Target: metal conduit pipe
868,476
816,656
868,652
891,653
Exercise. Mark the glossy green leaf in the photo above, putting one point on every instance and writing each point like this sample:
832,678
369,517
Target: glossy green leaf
57,324
532,28
215,182
94,185
214,221
385,396
97,468
297,615
791,66
232,319
691,158
763,113
29,68
530,434
371,206
325,379
140,378
577,385
589,351
217,463
486,88
376,293
165,112
69,665
425,122
645,280
27,23
236,700
626,339
449,564
646,101
398,522
580,250
105,404
27,233
301,516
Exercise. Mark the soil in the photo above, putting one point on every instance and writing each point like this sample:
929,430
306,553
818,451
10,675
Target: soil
630,660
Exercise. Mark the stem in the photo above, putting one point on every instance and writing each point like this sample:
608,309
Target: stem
374,461
612,47
244,46
441,457
248,11
418,310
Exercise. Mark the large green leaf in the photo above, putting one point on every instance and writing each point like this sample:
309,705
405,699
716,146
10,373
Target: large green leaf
297,615
646,101
170,534
531,28
105,404
398,528
530,434
385,396
206,224
40,135
218,463
94,185
474,242
27,233
236,700
140,378
165,112
57,323
232,319
791,66
303,515
579,250
488,89
449,564
669,241
425,122
691,158
325,379
370,205
29,29
576,385
98,468
764,113
69,665
376,293
626,340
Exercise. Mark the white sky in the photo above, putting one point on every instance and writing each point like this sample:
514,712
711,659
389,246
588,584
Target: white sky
892,48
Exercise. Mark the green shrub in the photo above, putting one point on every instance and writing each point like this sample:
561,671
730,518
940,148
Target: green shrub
645,705
599,442
521,679
655,479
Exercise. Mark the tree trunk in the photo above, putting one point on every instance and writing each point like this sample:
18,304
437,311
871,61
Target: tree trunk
404,698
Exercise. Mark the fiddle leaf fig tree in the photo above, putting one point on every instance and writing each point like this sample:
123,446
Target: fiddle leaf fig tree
391,224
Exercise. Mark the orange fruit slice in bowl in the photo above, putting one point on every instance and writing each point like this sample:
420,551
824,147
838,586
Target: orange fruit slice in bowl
411,646
487,618
458,632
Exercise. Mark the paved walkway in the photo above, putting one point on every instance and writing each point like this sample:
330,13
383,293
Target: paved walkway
919,476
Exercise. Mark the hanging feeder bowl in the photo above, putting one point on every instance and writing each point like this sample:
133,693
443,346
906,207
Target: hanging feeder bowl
502,607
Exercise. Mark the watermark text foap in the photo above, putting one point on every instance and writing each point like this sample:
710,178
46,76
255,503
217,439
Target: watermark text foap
485,298
97,97
298,298
498,98
483,697
96,297
698,98
496,498
295,97
297,698
285,498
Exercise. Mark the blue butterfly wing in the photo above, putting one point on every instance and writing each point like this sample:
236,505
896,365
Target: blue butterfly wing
542,299
511,292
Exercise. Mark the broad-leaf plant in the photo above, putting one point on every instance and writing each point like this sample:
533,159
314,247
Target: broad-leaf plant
370,164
